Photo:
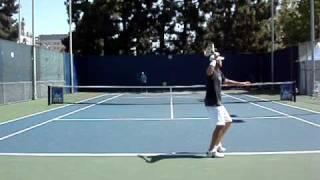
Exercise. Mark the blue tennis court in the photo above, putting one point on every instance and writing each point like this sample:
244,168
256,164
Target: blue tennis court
128,124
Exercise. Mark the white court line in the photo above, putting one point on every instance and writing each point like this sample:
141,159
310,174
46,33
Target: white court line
87,107
273,153
171,108
260,117
145,97
166,96
136,119
155,154
53,119
316,112
189,97
24,130
279,112
34,114
165,119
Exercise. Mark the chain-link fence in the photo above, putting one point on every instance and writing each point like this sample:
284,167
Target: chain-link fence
16,71
306,84
306,76
50,70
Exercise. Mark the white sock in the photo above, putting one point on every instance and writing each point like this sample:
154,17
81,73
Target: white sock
215,149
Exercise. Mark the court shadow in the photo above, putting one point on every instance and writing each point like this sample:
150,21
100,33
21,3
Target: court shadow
236,120
182,155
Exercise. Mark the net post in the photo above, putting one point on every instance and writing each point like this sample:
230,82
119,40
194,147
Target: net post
49,95
294,87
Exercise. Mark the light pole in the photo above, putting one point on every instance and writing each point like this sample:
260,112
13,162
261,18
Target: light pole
312,44
19,29
70,45
272,40
34,60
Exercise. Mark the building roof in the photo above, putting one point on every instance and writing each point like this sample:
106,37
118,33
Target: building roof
52,37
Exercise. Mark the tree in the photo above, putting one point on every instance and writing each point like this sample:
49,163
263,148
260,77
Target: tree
190,18
294,19
80,8
136,27
113,27
8,26
240,26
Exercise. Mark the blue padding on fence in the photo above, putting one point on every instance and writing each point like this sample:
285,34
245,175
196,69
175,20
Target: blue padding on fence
182,69
67,70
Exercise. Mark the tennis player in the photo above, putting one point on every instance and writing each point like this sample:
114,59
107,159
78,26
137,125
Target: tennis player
143,81
143,78
216,111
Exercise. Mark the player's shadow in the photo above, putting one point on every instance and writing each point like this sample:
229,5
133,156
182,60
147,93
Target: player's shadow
236,120
182,155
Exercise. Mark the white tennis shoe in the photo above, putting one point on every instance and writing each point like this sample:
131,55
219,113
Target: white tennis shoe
215,154
221,149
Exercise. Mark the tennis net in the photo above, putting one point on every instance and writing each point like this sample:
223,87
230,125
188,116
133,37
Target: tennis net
155,95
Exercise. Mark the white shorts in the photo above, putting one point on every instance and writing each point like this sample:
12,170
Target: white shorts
218,114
